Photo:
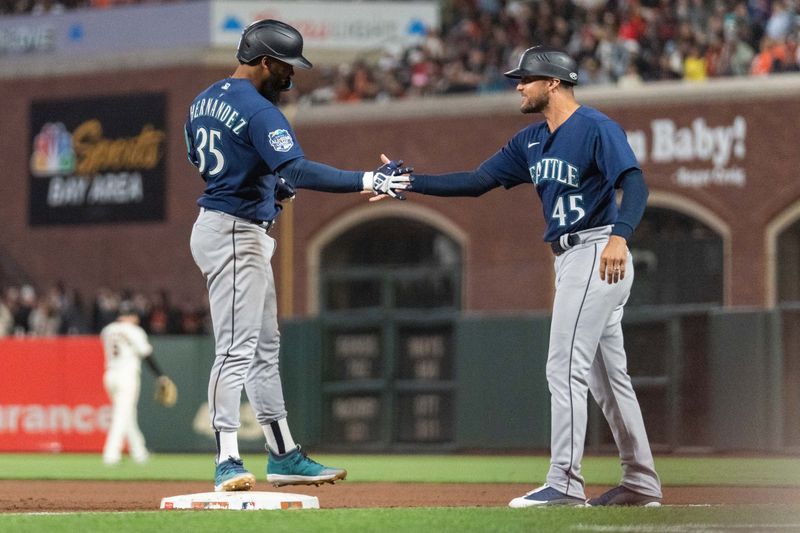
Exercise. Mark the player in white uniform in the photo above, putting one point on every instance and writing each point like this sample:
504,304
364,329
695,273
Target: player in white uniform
125,345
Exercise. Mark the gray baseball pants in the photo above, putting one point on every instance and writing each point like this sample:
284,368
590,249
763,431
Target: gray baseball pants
234,256
587,315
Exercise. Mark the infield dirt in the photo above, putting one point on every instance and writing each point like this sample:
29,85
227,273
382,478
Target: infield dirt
62,496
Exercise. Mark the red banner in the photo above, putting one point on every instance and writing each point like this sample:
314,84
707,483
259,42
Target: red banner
51,394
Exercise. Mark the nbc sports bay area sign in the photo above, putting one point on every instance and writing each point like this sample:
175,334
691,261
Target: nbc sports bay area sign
97,160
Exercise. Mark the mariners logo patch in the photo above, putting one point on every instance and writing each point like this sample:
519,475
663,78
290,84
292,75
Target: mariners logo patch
280,140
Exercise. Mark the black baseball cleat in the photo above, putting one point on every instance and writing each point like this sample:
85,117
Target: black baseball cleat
624,496
545,495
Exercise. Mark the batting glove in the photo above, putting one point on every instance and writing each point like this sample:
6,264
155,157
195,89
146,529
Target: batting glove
284,190
390,178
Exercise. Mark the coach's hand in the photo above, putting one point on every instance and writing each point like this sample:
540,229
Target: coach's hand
614,259
390,179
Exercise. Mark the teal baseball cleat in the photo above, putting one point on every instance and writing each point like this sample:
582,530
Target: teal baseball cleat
296,468
231,476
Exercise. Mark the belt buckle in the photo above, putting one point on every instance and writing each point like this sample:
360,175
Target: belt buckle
266,225
571,240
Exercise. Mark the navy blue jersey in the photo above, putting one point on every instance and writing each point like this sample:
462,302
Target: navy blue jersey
574,169
238,139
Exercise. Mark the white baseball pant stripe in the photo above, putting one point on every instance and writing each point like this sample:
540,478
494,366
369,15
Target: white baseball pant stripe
234,256
587,315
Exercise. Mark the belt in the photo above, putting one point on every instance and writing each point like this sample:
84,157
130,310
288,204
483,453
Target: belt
266,225
569,240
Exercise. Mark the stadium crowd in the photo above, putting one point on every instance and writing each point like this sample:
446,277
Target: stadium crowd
59,310
623,42
42,7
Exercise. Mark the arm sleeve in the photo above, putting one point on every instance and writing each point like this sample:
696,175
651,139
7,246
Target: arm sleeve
138,338
473,183
191,153
304,174
151,363
634,200
506,167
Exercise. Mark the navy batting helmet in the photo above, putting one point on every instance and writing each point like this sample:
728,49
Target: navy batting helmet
547,62
274,39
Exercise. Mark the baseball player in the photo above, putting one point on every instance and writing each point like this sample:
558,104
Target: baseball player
249,157
575,159
125,345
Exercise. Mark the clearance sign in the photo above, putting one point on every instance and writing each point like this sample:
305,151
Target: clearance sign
97,160
51,395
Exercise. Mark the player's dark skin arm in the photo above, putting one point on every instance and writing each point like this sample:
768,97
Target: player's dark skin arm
634,199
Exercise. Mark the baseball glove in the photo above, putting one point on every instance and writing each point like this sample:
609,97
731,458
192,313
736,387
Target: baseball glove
166,392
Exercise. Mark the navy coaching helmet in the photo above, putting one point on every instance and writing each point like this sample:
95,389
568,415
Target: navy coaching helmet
547,62
274,39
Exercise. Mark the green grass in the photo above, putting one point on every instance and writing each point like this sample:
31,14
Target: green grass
530,470
416,468
663,520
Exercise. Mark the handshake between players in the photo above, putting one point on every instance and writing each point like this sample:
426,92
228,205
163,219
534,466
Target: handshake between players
391,179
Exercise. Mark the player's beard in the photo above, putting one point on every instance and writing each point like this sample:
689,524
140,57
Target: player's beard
274,86
535,104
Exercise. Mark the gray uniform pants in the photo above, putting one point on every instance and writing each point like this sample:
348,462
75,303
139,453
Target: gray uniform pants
234,256
587,315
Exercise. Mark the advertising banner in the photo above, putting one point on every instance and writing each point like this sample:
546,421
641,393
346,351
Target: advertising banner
91,33
330,24
708,151
51,395
97,160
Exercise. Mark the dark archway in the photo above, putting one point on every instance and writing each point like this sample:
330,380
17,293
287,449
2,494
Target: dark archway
391,262
677,260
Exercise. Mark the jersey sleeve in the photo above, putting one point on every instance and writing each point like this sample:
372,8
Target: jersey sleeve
272,136
141,343
191,152
613,154
508,166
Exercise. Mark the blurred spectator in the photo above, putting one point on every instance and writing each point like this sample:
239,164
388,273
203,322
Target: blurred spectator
45,317
736,58
73,314
6,319
631,78
780,22
590,73
26,301
60,311
43,7
104,308
694,65
162,318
